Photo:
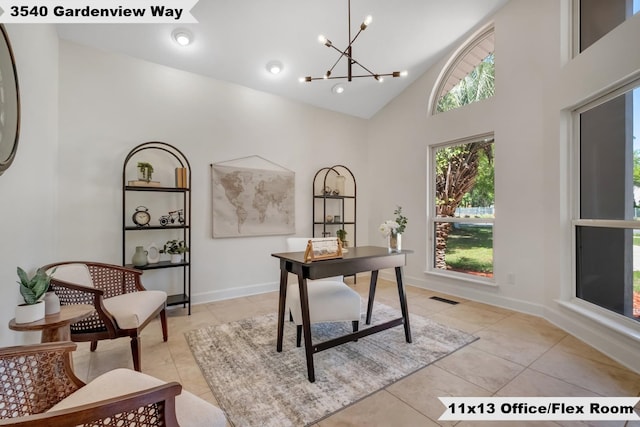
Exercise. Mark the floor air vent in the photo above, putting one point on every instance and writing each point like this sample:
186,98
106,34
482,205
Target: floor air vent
448,301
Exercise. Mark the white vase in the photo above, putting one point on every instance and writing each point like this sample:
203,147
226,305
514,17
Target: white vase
27,313
176,258
51,303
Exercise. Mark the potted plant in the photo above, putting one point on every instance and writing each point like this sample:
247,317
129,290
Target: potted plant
145,170
32,290
175,248
342,235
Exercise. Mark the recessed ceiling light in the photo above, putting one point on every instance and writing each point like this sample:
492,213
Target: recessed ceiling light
275,67
339,88
182,37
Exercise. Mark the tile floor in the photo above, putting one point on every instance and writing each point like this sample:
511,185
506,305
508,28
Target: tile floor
516,355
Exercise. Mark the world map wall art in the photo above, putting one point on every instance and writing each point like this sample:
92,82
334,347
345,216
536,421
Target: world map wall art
252,202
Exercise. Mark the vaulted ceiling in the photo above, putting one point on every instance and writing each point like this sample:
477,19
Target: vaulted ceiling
235,39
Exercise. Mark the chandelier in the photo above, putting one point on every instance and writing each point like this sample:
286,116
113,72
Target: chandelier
351,61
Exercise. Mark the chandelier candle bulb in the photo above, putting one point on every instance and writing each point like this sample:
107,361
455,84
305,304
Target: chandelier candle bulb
366,22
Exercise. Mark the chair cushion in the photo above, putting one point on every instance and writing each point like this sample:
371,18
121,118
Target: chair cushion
133,309
190,409
328,302
73,273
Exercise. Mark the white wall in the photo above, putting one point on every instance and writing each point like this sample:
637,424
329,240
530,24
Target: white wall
517,105
28,222
535,81
110,103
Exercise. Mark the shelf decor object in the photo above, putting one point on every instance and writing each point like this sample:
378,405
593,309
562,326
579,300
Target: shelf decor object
322,248
139,258
145,171
153,254
175,225
347,53
181,178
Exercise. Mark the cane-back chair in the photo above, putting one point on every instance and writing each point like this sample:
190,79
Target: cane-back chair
39,388
123,306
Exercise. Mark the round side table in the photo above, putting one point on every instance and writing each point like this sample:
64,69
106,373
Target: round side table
55,327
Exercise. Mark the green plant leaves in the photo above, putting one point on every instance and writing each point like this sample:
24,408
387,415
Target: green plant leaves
32,289
174,247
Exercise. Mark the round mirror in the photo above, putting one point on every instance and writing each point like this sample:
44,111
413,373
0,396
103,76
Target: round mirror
9,103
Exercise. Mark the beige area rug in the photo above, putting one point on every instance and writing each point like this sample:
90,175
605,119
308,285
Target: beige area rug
257,386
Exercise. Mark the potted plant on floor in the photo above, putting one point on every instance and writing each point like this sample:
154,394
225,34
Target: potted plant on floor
175,248
32,290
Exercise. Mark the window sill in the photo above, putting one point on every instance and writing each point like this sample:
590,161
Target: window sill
469,278
617,322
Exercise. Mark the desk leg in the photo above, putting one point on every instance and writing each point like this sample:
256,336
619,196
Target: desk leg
403,304
281,306
372,294
306,327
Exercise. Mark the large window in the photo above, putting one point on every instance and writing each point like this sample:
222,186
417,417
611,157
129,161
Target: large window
462,210
607,230
598,17
469,76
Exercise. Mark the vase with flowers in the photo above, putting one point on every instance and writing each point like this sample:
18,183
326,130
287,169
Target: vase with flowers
393,229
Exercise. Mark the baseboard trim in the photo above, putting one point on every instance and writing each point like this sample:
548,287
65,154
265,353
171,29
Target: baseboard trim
479,293
610,340
230,293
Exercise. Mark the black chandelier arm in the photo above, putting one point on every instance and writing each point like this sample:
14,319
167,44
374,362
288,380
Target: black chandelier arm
350,58
354,39
393,74
364,68
344,52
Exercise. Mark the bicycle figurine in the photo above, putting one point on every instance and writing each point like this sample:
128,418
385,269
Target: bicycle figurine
172,217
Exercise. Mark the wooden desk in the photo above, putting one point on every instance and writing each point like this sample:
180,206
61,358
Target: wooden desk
55,327
357,260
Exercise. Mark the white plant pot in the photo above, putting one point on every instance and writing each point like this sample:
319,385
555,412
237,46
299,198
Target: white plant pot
176,258
51,303
27,313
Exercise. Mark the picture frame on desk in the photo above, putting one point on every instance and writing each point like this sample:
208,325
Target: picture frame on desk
323,248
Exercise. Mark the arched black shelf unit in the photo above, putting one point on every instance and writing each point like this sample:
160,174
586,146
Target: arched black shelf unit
334,203
183,228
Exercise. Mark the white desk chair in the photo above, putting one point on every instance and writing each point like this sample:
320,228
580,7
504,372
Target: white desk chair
330,299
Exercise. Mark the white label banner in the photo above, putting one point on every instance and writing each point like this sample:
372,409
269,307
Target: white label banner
96,11
539,408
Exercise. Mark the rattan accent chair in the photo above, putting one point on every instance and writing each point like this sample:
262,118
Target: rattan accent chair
123,306
39,388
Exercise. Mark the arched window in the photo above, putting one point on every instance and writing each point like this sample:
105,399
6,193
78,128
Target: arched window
469,76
